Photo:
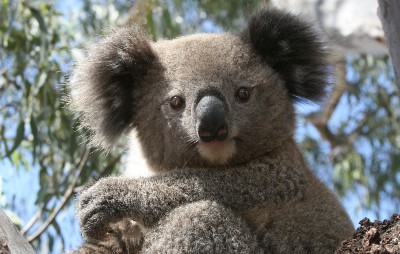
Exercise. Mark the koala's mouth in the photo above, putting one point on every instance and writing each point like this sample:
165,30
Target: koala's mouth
217,152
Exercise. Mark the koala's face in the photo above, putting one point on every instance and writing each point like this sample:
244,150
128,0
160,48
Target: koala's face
201,100
211,101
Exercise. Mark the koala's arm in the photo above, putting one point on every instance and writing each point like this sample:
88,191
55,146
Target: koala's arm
152,198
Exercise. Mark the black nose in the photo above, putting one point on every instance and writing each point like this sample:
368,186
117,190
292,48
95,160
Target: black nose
211,119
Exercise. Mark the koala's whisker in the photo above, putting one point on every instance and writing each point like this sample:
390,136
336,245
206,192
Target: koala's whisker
191,140
192,143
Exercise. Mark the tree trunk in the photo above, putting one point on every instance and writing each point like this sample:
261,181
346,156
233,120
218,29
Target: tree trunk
11,241
389,13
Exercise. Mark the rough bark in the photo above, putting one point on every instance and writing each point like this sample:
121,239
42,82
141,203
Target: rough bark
389,13
11,241
374,237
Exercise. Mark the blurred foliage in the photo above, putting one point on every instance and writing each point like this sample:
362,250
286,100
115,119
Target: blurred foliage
40,40
171,18
365,160
36,132
370,161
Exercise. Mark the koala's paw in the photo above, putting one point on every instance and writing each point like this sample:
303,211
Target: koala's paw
122,236
101,203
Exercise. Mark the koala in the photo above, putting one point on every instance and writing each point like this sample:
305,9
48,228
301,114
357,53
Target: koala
213,116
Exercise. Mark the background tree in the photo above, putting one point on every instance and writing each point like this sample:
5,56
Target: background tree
353,140
389,13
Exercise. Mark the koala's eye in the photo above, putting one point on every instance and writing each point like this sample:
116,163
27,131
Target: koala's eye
243,94
176,102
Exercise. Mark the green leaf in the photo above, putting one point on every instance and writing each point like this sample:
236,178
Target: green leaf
16,159
150,24
34,130
167,22
18,138
58,230
38,16
51,242
41,80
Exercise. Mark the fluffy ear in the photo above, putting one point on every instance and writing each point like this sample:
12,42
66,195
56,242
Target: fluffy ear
102,85
294,49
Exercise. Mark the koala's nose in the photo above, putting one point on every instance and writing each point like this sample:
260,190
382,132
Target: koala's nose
211,119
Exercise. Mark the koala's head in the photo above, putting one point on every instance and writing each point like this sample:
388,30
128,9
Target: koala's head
205,99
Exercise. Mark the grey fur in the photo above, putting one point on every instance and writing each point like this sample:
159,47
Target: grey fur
223,232
255,183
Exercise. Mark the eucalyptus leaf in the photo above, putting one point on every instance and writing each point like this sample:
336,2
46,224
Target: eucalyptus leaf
19,136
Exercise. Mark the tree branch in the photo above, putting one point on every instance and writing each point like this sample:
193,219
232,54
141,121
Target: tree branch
358,131
320,119
137,13
30,223
71,190
106,171
9,80
66,197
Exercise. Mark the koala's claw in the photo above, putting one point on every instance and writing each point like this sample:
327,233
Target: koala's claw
129,231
